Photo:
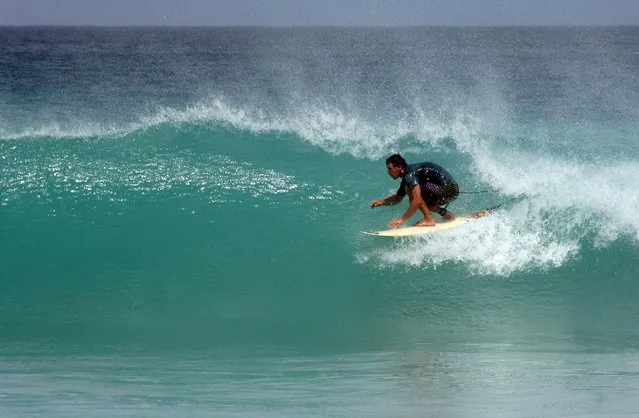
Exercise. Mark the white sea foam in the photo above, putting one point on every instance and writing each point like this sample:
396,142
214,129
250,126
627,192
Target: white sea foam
566,206
497,245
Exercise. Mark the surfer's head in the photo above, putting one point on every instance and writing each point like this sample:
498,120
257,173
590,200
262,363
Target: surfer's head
396,165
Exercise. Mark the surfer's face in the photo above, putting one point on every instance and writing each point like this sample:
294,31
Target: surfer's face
393,171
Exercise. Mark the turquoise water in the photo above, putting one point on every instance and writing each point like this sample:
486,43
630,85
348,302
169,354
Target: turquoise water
180,213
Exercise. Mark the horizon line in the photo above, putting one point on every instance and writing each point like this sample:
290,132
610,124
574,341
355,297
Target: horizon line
435,26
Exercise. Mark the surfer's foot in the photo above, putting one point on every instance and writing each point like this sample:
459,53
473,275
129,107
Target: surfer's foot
426,222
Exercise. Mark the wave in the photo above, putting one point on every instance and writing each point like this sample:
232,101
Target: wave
573,200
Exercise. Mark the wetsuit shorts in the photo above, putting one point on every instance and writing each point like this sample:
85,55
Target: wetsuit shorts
439,194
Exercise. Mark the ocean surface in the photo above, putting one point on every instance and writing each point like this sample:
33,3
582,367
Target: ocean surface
180,213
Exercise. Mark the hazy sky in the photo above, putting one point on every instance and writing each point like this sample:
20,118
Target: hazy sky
319,12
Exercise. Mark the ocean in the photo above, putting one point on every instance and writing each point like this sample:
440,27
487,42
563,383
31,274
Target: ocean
180,217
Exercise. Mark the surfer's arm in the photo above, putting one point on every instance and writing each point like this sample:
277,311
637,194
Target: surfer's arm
390,200
416,202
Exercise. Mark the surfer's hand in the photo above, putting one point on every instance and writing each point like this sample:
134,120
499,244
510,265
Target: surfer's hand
396,222
377,203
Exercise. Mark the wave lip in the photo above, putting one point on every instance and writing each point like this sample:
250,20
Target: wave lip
334,129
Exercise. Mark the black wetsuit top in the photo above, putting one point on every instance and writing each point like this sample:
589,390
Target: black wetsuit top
423,173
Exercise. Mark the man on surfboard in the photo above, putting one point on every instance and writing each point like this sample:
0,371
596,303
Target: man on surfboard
436,190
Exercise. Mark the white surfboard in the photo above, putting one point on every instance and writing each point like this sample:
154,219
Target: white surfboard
420,230
439,227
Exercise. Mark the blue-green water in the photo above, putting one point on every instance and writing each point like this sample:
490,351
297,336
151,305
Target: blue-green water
180,213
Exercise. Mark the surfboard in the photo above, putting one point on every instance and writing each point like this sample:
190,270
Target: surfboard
421,230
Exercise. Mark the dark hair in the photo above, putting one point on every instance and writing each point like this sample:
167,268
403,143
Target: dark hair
396,160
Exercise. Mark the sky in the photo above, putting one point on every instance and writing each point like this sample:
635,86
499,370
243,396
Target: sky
319,12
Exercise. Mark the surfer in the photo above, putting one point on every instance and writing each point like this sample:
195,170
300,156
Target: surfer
436,190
